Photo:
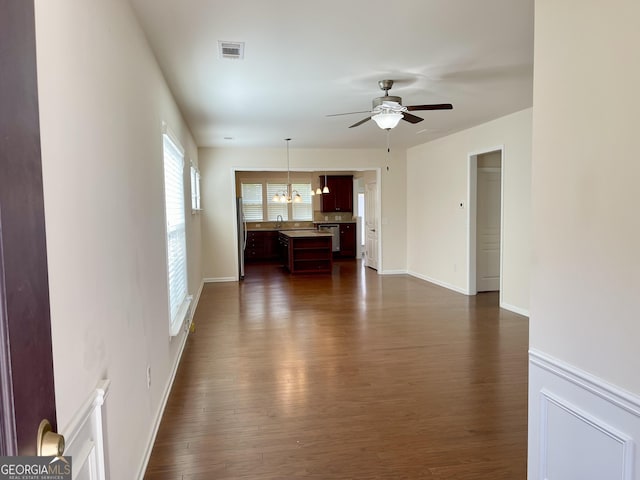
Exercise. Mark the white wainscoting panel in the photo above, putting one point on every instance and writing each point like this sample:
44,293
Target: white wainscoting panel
83,437
580,427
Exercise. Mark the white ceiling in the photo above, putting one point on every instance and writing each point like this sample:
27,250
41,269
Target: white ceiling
304,60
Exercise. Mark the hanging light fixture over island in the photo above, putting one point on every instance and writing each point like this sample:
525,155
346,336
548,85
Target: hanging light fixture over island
289,195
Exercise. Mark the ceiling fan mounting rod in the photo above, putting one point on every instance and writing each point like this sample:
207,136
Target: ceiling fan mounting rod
385,85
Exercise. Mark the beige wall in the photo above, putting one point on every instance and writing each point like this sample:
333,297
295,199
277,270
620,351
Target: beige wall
218,197
102,103
586,232
438,181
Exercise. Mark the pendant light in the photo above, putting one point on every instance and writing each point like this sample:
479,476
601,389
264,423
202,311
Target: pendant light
289,195
320,191
326,187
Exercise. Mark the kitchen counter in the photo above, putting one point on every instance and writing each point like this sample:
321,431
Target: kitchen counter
274,229
306,251
305,233
331,222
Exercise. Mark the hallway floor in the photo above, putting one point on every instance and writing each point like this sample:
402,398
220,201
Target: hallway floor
346,376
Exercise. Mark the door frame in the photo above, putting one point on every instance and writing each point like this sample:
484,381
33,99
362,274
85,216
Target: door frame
378,175
472,211
378,216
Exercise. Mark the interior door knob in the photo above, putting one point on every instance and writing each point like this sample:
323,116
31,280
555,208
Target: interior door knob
49,443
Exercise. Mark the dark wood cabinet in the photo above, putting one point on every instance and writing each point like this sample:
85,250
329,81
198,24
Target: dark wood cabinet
340,196
261,245
347,239
270,245
306,252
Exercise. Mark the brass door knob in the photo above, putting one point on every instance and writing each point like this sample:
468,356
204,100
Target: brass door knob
49,443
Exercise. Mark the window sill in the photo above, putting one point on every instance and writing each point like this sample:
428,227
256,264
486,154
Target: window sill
178,320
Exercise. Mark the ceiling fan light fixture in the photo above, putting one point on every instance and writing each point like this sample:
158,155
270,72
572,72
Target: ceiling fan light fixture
387,120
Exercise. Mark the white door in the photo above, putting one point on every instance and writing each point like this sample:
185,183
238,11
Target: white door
371,225
488,229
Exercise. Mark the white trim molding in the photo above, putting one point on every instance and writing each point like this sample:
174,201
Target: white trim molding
220,279
580,426
472,183
514,309
438,282
393,272
84,437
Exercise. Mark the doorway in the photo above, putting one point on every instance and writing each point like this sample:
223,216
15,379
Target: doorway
371,225
361,231
485,221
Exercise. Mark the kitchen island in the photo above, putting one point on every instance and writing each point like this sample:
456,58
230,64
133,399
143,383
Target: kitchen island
306,251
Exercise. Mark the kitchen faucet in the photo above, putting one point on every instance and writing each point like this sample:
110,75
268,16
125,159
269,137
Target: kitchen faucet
279,221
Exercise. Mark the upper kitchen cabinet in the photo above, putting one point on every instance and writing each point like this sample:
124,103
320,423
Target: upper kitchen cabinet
340,196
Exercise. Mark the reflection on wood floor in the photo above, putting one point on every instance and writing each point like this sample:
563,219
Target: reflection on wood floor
346,376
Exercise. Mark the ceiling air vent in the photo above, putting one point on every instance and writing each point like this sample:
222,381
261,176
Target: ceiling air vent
234,50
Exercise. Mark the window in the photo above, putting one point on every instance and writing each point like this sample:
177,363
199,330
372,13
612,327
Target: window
252,202
302,210
257,198
176,231
274,208
195,189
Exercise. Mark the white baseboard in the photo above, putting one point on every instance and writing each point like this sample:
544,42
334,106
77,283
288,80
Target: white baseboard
580,426
514,309
167,391
393,272
220,279
438,282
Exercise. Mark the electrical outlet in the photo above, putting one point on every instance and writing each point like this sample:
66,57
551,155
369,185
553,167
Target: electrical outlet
148,376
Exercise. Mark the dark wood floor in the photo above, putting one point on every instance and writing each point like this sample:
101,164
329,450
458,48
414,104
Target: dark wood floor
348,376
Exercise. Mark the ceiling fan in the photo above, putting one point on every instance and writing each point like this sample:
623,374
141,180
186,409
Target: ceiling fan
388,110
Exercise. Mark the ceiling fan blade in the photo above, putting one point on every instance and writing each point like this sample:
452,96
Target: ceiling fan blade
411,118
436,106
360,122
348,113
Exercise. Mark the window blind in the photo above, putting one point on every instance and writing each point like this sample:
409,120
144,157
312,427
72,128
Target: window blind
275,208
252,201
176,232
302,210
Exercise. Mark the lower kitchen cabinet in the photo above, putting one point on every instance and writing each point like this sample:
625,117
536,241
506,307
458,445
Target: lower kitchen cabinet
306,252
347,240
261,246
